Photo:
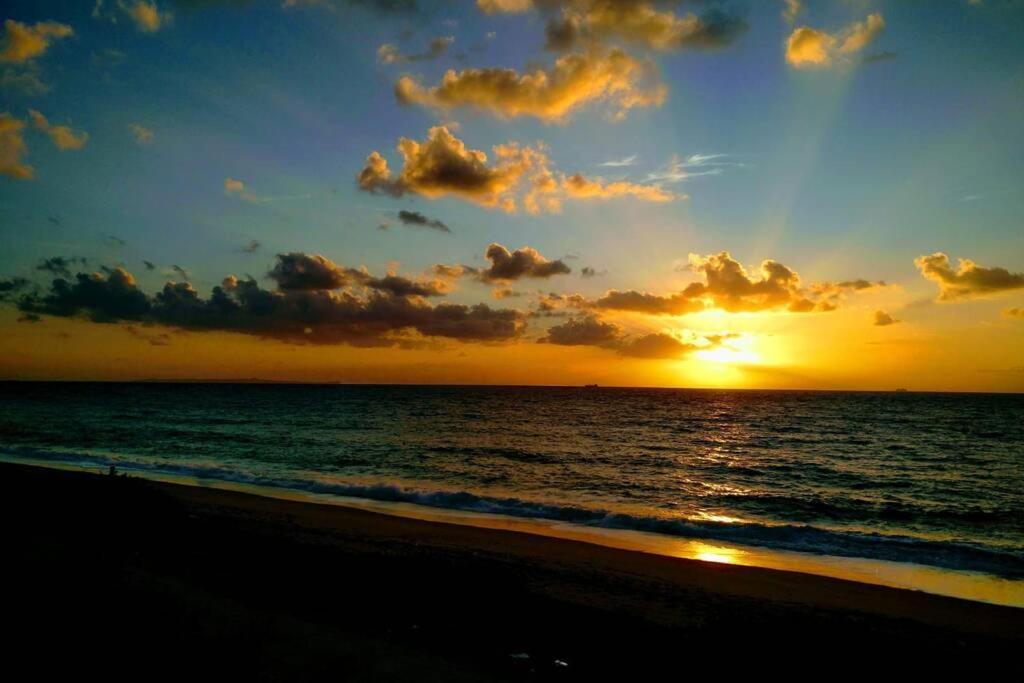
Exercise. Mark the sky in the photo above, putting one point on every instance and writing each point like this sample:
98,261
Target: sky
791,194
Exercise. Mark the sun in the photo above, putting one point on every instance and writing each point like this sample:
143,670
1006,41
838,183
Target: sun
738,350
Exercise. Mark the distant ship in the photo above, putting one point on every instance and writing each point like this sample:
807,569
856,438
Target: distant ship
590,386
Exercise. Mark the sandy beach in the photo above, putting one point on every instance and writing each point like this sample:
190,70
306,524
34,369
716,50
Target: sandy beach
130,578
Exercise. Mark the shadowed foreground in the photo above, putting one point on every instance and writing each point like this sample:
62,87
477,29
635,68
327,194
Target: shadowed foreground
129,578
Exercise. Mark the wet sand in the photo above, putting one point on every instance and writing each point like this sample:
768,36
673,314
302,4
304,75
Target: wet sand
130,578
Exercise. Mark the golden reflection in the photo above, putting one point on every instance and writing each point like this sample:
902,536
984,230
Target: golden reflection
715,553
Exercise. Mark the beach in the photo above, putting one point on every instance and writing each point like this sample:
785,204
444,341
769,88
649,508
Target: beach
129,578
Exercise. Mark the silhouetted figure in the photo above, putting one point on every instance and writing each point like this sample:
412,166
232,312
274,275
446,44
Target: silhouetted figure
112,471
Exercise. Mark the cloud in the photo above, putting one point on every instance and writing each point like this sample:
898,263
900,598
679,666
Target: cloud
369,311
969,280
792,9
588,330
309,272
10,286
505,6
25,79
390,54
142,135
588,271
297,270
883,319
609,77
149,265
617,163
417,219
505,293
809,48
146,15
525,262
584,331
641,23
727,286
13,148
1017,313
22,43
252,247
62,136
578,187
102,297
61,266
236,188
444,165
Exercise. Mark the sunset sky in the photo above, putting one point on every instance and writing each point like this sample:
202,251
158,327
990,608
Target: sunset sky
623,192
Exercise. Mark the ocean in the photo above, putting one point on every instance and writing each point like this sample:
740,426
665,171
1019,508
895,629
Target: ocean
930,479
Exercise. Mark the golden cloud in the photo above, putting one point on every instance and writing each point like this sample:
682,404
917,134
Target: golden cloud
443,165
969,280
728,286
640,23
551,95
12,148
23,43
808,47
147,16
505,6
578,187
63,137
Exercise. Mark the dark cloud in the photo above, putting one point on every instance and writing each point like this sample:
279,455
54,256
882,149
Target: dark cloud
522,263
181,272
60,265
417,219
308,306
641,23
652,304
149,265
297,270
657,345
252,247
588,330
584,331
109,298
883,319
968,280
11,286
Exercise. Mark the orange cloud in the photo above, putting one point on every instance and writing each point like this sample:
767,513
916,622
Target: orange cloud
443,165
23,43
63,137
809,48
12,148
551,95
578,187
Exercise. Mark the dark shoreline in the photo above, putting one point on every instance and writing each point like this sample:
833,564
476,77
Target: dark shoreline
134,578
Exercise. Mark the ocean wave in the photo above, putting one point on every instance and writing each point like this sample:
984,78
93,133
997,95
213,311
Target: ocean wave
792,537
